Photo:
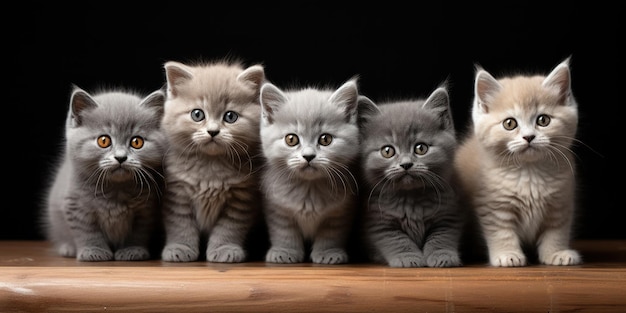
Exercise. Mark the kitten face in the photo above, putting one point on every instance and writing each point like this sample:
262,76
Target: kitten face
212,109
115,137
525,119
310,133
410,144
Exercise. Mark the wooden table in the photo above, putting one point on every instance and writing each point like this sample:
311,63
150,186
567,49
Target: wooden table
34,279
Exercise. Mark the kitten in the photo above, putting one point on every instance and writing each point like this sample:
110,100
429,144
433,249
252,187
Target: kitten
104,201
310,139
211,118
517,167
411,216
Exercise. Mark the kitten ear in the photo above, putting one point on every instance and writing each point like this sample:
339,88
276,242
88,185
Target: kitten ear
560,80
347,96
271,98
439,101
176,74
253,77
484,88
79,102
366,109
155,100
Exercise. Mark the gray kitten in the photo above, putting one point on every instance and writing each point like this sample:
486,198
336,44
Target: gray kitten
411,216
211,118
310,141
104,201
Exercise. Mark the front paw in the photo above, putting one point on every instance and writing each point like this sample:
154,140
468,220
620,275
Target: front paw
226,254
284,255
94,254
563,257
330,256
443,258
406,259
132,254
176,252
508,259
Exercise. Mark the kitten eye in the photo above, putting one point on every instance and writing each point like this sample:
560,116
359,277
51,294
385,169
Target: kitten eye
509,123
230,117
197,115
104,141
136,142
421,148
292,140
543,120
325,139
387,151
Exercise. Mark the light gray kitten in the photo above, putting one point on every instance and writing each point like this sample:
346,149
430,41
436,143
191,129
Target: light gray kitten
411,216
211,119
310,141
104,201
517,168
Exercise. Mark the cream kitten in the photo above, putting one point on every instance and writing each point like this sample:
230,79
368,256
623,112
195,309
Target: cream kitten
517,168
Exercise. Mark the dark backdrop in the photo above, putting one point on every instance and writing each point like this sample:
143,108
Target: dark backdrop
397,50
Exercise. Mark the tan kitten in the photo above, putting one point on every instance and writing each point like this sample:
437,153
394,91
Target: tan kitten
517,168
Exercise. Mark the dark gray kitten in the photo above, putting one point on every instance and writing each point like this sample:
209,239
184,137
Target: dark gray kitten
411,216
104,201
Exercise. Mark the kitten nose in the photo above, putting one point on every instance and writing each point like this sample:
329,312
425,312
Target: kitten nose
121,159
309,157
406,166
213,133
529,138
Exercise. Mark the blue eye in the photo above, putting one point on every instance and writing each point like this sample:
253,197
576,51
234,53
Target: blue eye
230,117
197,115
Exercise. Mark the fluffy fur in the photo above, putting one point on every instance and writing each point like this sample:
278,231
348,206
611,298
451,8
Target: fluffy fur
411,216
211,120
104,201
517,167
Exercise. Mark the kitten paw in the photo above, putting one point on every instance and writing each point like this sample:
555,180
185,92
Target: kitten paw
563,257
443,258
132,254
176,252
94,254
284,255
508,259
330,256
406,259
226,254
67,250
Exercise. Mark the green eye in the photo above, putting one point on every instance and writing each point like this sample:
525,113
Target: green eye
509,123
421,148
292,140
387,151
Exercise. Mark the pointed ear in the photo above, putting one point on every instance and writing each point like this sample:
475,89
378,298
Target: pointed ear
366,109
155,100
439,102
271,98
347,97
485,86
253,77
560,80
176,74
79,102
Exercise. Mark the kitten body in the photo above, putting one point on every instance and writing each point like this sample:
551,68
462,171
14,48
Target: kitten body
211,119
411,216
517,168
104,201
310,141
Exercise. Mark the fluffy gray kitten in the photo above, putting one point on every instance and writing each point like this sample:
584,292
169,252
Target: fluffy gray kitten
411,216
211,119
104,201
310,140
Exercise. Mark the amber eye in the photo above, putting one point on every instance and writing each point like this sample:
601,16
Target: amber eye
104,141
543,120
136,142
197,115
509,123
387,151
325,139
230,117
421,148
292,140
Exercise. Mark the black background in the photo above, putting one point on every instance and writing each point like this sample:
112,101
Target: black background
397,50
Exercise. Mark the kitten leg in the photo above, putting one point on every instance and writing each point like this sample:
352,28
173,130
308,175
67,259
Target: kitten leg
504,247
329,243
287,243
229,234
394,246
441,248
136,246
90,242
182,235
553,247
